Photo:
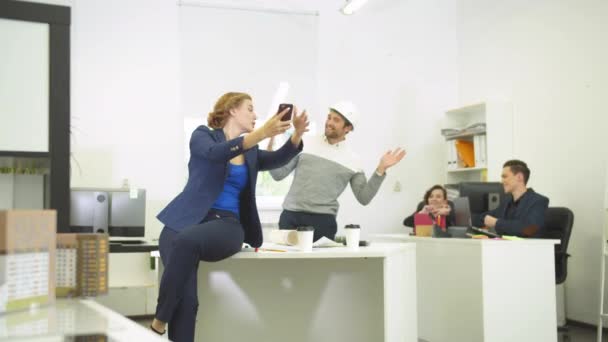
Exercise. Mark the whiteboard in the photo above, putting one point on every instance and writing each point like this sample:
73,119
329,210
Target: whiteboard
24,86
248,51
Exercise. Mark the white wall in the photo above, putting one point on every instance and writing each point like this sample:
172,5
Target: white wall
270,54
397,61
548,59
125,98
254,52
126,95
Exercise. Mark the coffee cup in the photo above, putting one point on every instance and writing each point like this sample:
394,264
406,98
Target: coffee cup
353,235
305,238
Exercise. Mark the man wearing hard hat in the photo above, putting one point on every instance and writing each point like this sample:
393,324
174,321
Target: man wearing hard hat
322,172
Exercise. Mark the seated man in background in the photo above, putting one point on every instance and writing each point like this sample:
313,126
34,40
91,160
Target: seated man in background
523,211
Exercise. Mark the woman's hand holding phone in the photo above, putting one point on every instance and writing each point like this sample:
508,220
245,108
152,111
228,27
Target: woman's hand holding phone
282,108
276,125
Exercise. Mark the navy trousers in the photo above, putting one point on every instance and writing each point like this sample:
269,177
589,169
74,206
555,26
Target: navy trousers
219,236
325,224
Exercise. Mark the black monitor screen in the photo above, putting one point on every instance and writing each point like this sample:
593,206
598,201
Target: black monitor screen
117,212
483,196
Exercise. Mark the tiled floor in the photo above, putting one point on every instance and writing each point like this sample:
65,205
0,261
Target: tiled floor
580,334
573,333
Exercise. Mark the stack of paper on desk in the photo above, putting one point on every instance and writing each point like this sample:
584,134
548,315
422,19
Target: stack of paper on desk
325,242
290,238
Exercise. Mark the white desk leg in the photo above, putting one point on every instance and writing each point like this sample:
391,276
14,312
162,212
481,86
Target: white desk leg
400,304
519,293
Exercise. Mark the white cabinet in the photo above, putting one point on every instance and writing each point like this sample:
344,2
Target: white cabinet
132,284
479,139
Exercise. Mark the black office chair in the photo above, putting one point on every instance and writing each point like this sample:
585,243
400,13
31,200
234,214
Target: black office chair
558,225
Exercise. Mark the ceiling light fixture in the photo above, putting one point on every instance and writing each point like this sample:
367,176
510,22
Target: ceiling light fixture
352,6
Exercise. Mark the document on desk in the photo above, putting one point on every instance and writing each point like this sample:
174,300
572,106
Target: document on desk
275,247
269,248
325,242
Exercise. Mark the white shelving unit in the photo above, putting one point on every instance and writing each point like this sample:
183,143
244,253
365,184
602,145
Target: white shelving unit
492,146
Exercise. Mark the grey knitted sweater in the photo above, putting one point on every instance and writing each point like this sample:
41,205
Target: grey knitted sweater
321,173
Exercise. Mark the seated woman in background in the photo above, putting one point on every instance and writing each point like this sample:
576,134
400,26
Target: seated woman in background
435,203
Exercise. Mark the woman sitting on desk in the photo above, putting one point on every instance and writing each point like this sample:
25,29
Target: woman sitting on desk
435,204
216,211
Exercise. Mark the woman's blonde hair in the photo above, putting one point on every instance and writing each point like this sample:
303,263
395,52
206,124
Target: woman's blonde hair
221,111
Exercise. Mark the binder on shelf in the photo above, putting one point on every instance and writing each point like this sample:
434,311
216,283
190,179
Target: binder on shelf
453,155
477,150
465,152
448,155
453,159
482,152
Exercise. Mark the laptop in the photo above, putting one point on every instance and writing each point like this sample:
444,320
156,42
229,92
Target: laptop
463,222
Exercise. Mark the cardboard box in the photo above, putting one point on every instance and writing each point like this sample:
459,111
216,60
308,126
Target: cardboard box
27,258
92,264
65,276
82,265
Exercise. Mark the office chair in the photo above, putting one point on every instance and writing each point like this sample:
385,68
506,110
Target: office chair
558,225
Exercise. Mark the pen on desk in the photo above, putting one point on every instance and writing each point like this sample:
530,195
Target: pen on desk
271,250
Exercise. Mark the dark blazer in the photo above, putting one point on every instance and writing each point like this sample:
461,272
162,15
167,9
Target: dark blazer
210,154
529,217
409,221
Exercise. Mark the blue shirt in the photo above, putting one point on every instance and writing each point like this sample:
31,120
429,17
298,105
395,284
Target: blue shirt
234,184
207,172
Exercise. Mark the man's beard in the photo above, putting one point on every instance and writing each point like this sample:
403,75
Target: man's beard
331,133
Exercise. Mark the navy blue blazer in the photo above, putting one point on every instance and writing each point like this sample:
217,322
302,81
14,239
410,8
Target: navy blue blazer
529,217
210,154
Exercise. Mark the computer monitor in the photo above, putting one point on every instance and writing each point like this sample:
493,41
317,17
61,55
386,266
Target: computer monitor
462,212
117,212
483,196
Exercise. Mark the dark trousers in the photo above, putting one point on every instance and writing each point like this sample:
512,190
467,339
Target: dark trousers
325,224
219,236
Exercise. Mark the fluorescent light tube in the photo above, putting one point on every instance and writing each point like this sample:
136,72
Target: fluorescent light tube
352,6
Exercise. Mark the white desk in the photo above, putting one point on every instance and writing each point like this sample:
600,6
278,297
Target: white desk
484,290
68,318
330,294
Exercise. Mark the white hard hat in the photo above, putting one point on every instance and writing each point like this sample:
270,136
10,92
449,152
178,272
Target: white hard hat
348,110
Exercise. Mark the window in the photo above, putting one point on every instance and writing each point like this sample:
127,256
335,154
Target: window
272,65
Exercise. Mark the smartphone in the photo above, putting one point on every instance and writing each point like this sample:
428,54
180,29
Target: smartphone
287,115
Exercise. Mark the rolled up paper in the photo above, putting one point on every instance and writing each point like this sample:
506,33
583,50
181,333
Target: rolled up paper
284,237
